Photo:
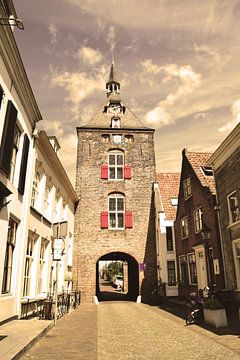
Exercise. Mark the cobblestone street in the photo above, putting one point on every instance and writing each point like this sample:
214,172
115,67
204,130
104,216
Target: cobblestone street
127,330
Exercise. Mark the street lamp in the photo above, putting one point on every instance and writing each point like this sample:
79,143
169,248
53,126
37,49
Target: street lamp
206,234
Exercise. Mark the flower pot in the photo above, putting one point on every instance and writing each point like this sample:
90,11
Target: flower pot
216,318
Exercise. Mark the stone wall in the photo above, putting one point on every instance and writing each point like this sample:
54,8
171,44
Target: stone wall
92,242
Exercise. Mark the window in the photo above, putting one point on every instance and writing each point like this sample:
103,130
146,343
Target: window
11,241
42,266
35,188
236,252
116,211
129,138
174,201
169,238
184,227
187,188
116,165
233,207
28,266
105,137
117,139
16,140
198,220
182,269
46,198
171,273
207,170
192,269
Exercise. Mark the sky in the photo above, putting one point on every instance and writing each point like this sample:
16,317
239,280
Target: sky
178,63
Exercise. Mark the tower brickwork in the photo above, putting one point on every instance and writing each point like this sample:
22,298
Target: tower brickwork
115,176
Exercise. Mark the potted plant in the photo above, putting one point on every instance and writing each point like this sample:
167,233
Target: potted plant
214,313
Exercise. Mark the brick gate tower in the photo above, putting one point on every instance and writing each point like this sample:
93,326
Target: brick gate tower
115,215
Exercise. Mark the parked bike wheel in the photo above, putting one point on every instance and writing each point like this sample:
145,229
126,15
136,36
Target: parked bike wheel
190,319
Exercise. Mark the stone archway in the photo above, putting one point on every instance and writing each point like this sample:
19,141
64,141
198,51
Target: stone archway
105,288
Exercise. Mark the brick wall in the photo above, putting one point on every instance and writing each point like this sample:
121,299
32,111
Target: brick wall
228,180
92,242
201,197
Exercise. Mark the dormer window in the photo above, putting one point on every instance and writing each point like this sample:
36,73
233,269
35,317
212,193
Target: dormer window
115,122
207,170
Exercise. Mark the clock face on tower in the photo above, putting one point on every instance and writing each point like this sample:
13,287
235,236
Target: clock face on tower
114,110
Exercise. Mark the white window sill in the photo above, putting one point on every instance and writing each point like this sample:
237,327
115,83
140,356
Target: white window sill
234,225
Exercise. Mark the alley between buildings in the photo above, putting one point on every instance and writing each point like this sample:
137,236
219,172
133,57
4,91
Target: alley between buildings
125,331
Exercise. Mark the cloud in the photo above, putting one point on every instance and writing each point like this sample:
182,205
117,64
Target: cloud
206,53
89,56
183,80
111,37
78,85
53,33
235,110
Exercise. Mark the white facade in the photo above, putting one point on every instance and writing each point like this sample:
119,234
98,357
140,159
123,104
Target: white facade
26,267
18,116
166,252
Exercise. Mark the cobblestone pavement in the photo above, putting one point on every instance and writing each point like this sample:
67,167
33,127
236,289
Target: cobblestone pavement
125,331
74,337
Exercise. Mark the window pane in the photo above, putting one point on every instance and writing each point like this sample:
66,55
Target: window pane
120,220
120,204
119,159
119,173
112,220
111,159
112,204
169,238
112,173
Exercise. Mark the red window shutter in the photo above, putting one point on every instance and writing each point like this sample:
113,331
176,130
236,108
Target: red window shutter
128,219
104,220
127,172
104,172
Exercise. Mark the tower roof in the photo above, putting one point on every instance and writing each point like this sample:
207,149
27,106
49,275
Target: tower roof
114,109
112,75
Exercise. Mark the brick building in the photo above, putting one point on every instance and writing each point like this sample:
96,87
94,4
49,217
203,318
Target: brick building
199,264
115,216
226,165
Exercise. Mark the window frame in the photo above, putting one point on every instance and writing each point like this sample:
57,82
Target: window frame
169,240
15,150
116,212
230,210
198,219
187,188
190,268
35,188
173,282
182,269
42,266
9,255
28,268
115,166
184,227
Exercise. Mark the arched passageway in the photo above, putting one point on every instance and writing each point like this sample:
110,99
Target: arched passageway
117,277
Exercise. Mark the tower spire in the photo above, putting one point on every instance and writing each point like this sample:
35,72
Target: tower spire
112,86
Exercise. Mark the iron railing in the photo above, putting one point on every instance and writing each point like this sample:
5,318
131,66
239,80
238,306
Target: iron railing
44,308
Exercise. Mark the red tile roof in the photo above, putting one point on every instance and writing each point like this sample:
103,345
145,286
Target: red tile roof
169,188
197,159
